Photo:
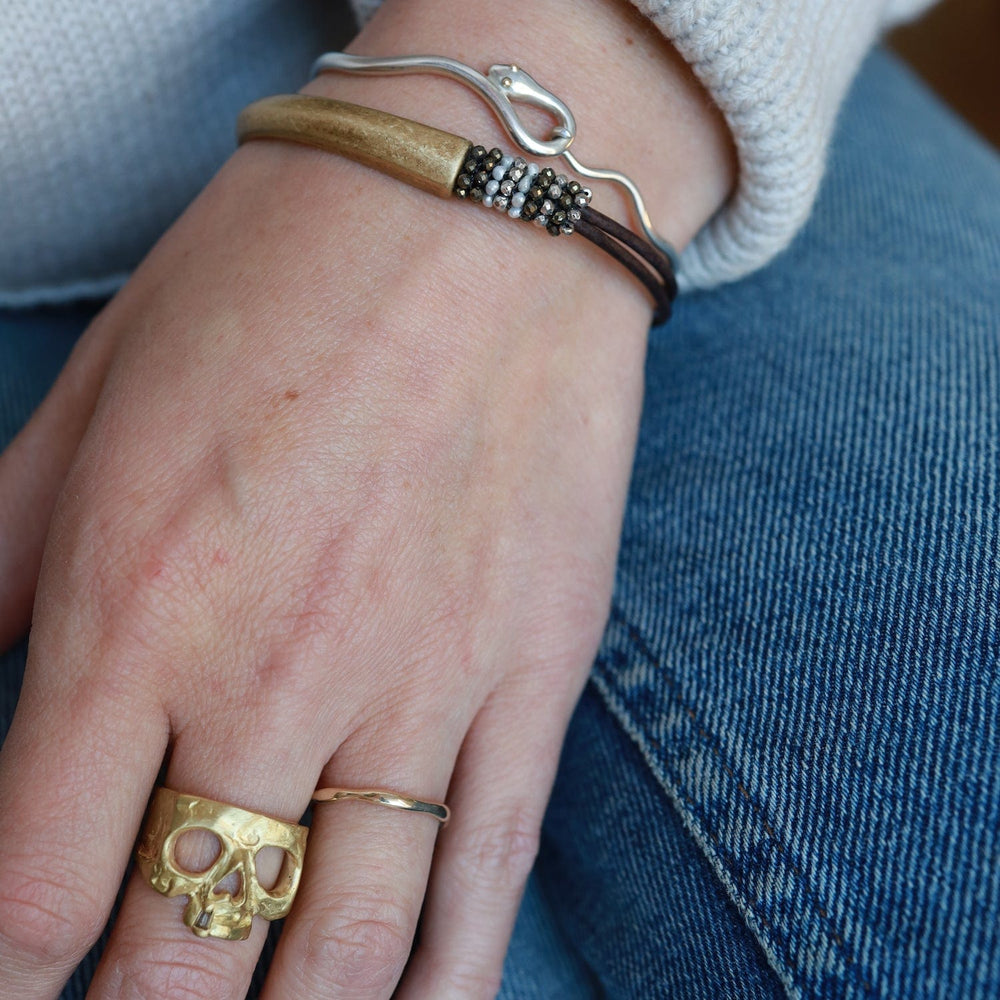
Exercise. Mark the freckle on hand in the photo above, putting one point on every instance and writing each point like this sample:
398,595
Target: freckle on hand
292,394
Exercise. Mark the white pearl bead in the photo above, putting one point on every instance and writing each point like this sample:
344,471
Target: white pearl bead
524,184
514,213
533,169
492,187
488,200
506,163
498,173
517,200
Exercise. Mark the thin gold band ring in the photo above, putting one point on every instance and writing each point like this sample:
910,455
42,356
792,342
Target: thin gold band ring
382,797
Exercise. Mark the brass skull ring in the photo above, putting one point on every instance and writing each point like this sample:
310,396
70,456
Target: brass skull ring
214,910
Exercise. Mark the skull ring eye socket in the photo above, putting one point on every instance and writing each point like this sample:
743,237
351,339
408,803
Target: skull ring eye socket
210,851
195,850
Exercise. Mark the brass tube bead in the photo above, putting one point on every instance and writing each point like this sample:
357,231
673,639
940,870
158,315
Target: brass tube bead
425,157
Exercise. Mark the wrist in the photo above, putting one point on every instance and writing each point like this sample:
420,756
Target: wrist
682,164
612,62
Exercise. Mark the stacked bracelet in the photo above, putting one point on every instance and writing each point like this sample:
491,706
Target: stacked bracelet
450,166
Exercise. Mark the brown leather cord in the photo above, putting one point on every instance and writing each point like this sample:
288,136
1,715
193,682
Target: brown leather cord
651,253
646,261
438,162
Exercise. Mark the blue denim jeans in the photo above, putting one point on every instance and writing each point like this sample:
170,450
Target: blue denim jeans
784,775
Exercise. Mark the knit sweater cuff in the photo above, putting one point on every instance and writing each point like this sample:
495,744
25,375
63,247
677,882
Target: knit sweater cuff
778,70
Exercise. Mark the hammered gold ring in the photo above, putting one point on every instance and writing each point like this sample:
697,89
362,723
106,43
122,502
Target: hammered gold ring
382,797
212,910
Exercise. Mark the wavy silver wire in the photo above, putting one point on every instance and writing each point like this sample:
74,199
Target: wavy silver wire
500,88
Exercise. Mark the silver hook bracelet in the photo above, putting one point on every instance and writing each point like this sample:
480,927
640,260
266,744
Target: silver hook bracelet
504,85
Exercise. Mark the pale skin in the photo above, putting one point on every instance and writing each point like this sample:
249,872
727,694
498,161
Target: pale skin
330,494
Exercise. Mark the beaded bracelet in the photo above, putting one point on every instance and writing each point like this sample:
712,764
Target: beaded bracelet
451,166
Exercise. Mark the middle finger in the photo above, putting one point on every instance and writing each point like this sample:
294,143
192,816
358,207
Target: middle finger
152,952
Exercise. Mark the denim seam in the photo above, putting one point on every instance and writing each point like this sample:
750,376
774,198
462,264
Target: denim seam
721,859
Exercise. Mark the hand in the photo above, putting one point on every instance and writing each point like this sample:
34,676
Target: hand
345,513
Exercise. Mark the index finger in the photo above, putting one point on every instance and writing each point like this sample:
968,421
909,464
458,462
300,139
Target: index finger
75,773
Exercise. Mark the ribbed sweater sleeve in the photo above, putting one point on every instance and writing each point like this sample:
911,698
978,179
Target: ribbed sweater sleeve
778,70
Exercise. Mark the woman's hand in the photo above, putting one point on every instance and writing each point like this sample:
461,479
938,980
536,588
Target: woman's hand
345,512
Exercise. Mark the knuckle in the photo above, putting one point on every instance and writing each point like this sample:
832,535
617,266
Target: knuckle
360,950
500,855
45,919
182,977
467,982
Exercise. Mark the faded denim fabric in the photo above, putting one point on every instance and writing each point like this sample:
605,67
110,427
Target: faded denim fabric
786,769
784,776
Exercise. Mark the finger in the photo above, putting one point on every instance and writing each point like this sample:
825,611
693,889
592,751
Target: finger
74,775
242,758
352,927
33,468
498,798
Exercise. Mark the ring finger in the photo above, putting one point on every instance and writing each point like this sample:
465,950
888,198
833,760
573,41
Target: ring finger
352,927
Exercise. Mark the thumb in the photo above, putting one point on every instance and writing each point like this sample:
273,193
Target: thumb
33,468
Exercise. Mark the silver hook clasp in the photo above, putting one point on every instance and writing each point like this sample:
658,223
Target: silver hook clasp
512,84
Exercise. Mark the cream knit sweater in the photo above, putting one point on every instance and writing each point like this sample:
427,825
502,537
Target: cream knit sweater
113,113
